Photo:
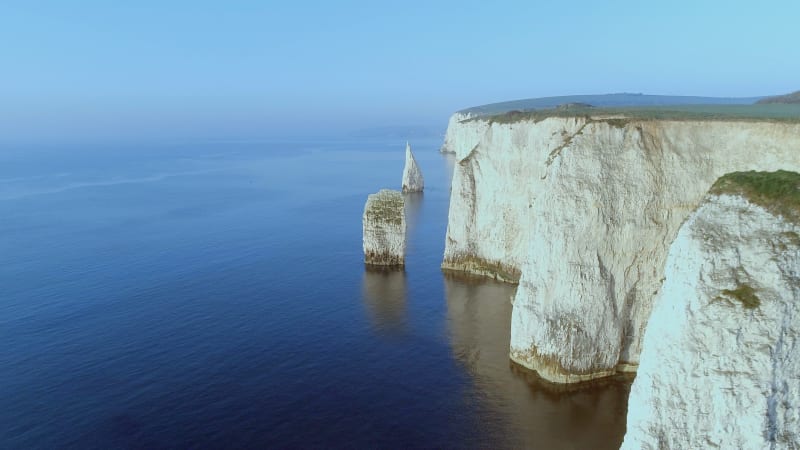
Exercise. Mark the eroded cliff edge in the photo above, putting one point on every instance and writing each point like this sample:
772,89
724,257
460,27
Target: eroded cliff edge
581,211
721,359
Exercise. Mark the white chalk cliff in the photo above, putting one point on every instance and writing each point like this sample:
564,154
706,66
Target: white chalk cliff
460,139
412,176
581,212
721,360
384,228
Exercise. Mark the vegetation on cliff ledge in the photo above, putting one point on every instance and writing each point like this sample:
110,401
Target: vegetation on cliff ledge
745,294
778,192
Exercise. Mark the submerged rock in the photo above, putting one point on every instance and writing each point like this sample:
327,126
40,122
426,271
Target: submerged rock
721,354
412,176
384,226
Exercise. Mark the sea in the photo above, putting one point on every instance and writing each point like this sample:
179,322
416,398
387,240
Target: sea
213,295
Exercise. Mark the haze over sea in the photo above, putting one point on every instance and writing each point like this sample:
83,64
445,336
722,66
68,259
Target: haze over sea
177,272
213,294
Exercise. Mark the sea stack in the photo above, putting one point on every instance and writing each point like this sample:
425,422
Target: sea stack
412,176
721,354
384,225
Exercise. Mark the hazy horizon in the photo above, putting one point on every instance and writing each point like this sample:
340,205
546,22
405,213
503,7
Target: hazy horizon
190,70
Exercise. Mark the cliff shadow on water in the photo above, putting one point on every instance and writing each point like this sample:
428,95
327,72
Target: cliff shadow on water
535,413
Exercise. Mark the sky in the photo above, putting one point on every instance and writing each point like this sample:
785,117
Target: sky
249,69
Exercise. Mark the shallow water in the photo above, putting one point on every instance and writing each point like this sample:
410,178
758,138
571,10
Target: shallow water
214,295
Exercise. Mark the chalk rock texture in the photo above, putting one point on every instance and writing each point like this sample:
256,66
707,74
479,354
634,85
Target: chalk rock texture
580,211
720,366
384,226
460,139
412,176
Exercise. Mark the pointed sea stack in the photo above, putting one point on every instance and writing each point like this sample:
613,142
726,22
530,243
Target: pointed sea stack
412,176
384,225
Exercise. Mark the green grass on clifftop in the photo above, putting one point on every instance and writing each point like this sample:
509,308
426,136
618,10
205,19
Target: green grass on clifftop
750,113
385,207
778,192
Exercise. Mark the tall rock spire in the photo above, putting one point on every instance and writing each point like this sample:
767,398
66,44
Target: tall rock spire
412,176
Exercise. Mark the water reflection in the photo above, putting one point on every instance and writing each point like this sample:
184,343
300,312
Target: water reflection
384,292
531,413
413,207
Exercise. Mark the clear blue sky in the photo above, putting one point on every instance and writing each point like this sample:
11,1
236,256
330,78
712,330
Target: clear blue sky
227,69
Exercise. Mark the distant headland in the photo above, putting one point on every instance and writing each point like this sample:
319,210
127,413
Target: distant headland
793,98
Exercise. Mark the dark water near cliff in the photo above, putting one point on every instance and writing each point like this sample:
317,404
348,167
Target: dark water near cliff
214,295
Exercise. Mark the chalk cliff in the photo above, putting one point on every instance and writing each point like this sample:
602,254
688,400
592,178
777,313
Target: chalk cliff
581,211
412,176
460,139
384,227
720,365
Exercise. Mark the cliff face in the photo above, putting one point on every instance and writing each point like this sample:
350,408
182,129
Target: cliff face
721,353
581,212
460,139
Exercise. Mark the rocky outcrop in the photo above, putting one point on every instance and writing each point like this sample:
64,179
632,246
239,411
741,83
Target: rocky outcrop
580,211
384,226
412,176
721,360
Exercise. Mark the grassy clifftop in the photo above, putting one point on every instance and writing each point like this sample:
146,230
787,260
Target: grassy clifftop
642,107
604,101
759,112
778,192
386,206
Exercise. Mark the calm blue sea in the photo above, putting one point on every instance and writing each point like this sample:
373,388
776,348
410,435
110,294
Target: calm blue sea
213,295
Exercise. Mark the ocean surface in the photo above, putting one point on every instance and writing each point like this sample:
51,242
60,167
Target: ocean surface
213,295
